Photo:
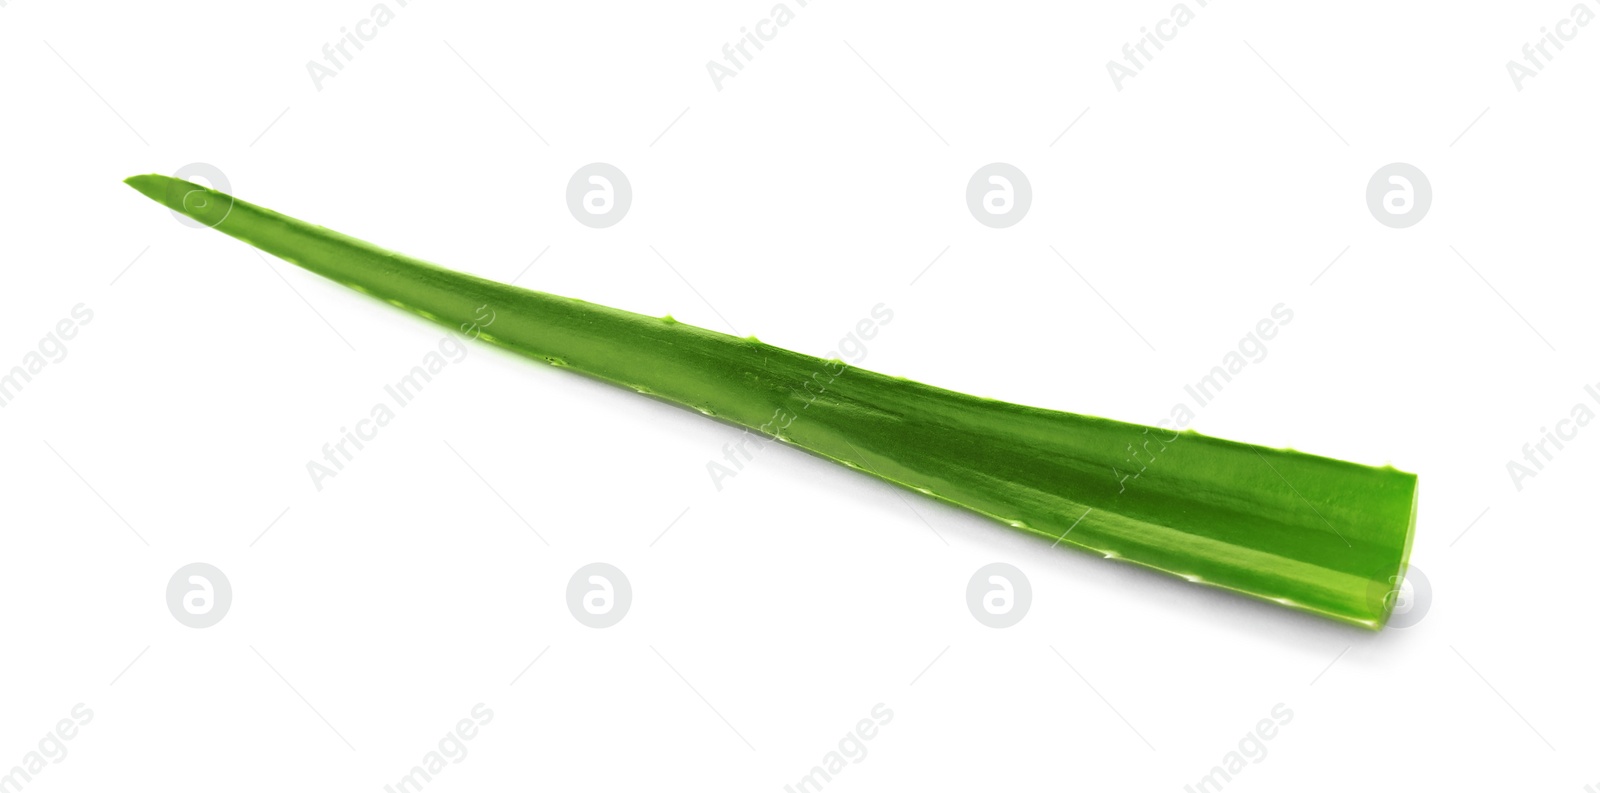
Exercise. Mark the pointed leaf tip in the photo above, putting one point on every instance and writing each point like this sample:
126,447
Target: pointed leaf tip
153,186
199,202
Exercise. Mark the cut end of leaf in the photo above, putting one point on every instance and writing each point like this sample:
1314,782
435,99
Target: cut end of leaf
1398,580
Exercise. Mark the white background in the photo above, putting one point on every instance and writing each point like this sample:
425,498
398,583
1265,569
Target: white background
775,613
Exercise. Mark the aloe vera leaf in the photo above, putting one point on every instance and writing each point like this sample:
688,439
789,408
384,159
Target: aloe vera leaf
1312,533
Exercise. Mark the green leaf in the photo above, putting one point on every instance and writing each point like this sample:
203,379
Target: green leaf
1311,533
